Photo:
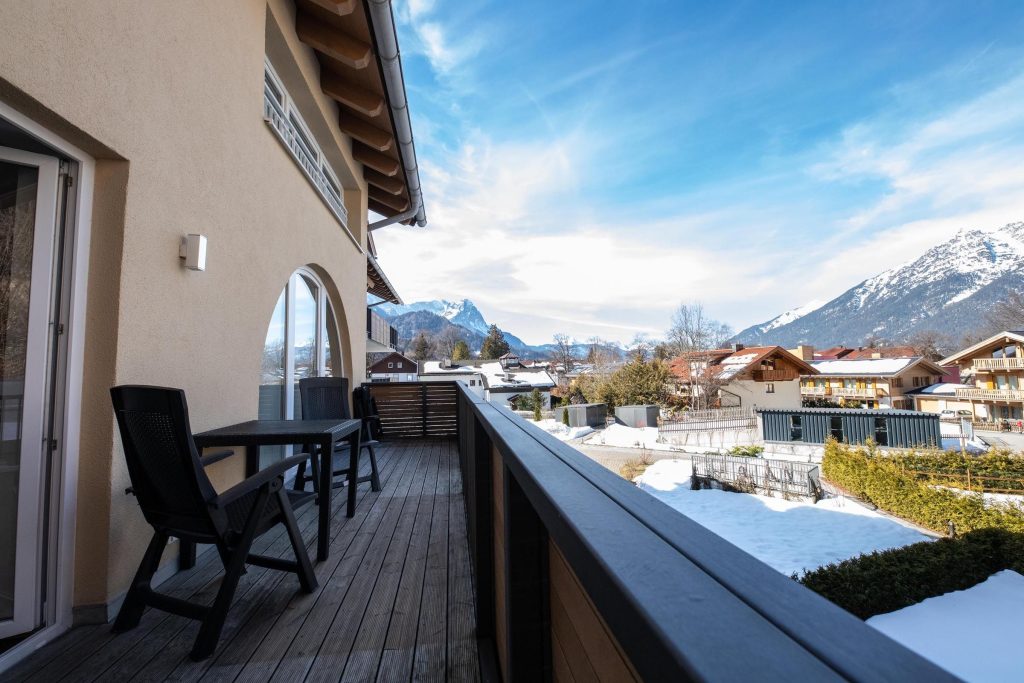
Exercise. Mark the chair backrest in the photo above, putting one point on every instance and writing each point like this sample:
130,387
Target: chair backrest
324,398
366,406
163,463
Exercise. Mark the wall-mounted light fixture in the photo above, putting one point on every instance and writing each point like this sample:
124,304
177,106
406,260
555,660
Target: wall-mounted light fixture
193,251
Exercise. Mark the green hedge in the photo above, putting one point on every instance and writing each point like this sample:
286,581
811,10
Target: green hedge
889,580
883,480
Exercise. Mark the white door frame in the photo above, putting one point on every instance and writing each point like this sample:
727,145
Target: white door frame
29,534
64,474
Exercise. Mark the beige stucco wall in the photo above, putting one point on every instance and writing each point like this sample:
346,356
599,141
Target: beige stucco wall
755,394
168,95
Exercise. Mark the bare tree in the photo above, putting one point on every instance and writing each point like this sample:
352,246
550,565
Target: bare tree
641,347
446,341
693,336
693,330
1007,314
563,353
931,344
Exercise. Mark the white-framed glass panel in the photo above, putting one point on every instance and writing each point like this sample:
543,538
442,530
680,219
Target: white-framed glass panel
28,216
302,341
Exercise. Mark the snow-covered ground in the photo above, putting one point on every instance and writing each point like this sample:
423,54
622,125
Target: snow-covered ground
951,439
560,431
972,633
789,536
629,437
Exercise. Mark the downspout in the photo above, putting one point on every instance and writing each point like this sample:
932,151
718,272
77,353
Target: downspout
391,63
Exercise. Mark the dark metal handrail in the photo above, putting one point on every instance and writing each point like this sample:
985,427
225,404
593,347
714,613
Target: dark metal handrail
681,601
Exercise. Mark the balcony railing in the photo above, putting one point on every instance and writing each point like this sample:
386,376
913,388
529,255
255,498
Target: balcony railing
577,570
987,364
991,394
847,392
815,391
276,118
378,329
774,375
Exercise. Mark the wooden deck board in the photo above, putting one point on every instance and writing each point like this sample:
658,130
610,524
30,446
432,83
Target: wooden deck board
385,608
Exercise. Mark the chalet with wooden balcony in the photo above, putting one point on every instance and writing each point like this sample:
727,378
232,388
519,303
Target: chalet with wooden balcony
756,376
993,370
871,382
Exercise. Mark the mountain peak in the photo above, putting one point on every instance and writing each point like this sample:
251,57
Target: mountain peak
948,288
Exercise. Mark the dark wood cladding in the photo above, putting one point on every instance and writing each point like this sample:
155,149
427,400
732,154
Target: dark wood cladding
416,410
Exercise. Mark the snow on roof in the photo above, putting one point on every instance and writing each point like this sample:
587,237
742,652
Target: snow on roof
498,377
433,367
944,389
865,366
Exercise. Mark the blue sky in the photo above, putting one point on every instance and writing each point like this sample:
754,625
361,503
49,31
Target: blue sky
589,166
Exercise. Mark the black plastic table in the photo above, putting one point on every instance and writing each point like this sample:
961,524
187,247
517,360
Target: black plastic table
320,433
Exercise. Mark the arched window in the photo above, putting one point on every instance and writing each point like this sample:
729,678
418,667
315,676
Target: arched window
302,341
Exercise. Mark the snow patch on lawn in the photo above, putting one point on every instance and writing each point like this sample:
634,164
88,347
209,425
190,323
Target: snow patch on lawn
629,437
790,536
973,633
562,432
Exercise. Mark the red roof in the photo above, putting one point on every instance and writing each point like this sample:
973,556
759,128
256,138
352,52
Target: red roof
717,359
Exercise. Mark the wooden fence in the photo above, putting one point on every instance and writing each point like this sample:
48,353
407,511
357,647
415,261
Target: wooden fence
758,475
415,410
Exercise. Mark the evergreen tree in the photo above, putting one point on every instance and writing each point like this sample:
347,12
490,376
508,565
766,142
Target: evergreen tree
495,345
538,402
461,351
422,349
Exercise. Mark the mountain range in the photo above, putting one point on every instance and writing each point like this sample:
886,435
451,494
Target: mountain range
434,317
948,289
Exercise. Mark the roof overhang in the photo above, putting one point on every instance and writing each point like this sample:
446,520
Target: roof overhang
360,69
1002,336
377,282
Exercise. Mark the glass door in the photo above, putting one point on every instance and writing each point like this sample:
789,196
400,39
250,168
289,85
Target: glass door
28,207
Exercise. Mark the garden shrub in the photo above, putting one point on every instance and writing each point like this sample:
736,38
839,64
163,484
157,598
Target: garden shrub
631,469
884,481
565,416
888,580
746,451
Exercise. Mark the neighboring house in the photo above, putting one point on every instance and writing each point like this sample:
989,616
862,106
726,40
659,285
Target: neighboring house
394,367
448,371
940,397
490,380
755,377
873,382
809,353
147,124
993,369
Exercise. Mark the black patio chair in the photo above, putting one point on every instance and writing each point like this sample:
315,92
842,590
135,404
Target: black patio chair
178,501
326,398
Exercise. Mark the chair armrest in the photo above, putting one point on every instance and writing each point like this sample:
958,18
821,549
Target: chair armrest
216,456
257,480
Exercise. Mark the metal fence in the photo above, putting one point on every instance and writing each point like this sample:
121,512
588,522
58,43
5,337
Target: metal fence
711,420
758,475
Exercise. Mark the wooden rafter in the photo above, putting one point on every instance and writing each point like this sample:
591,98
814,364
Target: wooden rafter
386,183
394,201
374,137
351,95
375,160
379,208
339,7
332,41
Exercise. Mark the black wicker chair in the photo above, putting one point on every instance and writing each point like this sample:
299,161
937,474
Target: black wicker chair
178,500
326,398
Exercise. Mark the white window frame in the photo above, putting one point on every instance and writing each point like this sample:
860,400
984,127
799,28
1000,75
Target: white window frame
285,119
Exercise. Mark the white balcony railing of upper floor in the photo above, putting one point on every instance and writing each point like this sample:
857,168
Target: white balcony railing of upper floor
277,119
815,391
991,394
855,392
985,364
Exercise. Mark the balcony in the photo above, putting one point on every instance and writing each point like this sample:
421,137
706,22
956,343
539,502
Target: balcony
990,364
495,551
774,375
815,391
847,392
380,335
991,394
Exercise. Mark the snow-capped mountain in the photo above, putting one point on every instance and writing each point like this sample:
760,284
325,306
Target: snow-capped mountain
949,289
463,313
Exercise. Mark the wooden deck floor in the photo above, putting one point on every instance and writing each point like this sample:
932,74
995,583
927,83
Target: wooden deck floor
395,601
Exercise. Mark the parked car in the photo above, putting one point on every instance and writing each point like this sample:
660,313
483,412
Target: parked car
949,413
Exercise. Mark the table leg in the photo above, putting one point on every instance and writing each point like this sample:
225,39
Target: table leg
252,460
323,534
353,471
